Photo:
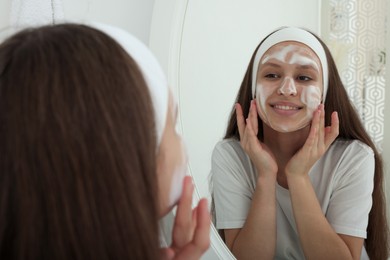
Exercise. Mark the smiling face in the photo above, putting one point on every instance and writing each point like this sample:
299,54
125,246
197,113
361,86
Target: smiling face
289,86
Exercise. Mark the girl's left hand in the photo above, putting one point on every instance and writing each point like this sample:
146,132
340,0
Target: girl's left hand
317,143
191,230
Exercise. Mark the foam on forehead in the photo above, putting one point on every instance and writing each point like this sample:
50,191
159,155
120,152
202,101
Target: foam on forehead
150,69
297,35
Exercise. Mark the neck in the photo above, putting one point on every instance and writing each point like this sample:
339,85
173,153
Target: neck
284,146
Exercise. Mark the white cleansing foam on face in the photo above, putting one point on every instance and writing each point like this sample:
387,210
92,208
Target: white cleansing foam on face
311,97
292,34
279,55
288,87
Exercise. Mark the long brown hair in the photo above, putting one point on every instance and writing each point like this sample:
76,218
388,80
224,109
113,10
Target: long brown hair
351,127
77,162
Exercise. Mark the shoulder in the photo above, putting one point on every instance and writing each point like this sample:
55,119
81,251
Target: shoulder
228,144
352,144
228,148
351,149
231,166
345,158
350,158
228,154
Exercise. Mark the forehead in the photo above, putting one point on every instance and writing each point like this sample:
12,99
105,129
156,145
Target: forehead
286,50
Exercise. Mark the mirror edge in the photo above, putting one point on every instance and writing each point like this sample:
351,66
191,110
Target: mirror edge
165,42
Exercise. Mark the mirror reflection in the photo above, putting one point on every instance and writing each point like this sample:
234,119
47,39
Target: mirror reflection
297,175
216,44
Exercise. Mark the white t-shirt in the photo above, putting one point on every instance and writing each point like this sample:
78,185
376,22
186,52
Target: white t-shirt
342,179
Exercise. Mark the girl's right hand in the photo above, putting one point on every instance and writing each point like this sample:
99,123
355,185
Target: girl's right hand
191,229
259,153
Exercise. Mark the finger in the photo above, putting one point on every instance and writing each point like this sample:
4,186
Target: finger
249,132
253,144
333,131
240,120
202,231
167,253
201,240
194,217
312,139
183,229
321,128
253,117
184,208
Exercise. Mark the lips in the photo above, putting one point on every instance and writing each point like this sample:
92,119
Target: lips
286,106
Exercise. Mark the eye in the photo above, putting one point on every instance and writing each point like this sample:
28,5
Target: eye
304,78
271,76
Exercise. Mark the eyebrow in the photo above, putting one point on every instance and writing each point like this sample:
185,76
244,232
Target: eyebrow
308,67
271,64
300,66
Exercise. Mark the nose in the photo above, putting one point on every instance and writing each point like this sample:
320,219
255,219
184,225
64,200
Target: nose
287,87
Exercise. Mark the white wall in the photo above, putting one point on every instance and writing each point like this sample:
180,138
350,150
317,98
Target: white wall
5,6
132,15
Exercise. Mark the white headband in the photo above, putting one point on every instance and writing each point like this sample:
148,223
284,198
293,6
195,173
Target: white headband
296,35
151,71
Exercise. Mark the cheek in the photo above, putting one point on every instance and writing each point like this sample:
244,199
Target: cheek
264,92
171,175
311,97
179,172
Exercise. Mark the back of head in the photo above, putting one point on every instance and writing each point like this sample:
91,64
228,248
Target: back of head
77,159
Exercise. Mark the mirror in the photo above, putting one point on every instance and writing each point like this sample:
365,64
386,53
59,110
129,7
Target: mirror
205,47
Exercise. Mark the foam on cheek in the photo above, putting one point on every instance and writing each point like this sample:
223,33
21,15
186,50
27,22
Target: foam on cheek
262,95
261,107
311,97
261,98
178,177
